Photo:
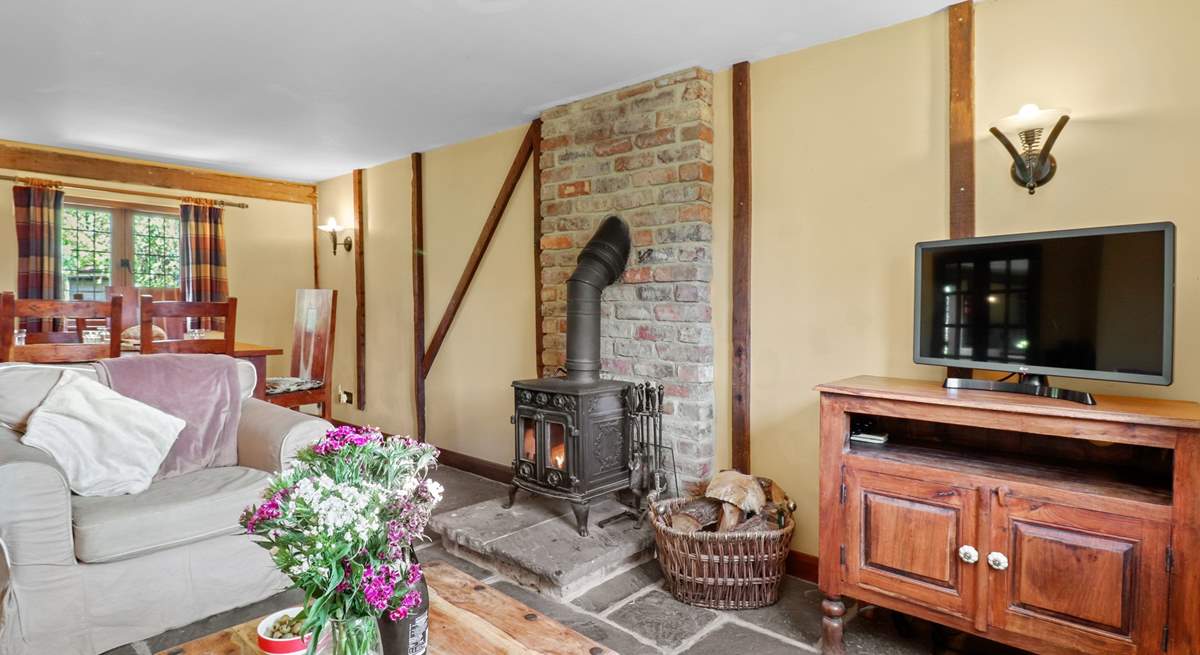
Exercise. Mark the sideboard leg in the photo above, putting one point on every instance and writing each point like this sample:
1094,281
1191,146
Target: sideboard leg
831,626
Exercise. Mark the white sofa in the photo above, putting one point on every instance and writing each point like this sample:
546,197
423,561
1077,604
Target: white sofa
81,575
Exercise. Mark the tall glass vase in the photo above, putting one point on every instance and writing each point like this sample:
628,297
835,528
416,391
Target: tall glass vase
356,636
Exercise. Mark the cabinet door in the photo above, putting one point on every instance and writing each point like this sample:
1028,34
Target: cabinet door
1083,579
904,536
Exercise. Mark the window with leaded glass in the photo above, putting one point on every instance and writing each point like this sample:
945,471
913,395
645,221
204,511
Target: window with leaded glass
117,244
86,242
155,250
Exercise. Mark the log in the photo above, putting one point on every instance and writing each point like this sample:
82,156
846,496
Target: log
731,516
776,495
696,515
737,488
756,523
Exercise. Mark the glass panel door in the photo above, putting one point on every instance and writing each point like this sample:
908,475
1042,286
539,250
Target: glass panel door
528,431
556,436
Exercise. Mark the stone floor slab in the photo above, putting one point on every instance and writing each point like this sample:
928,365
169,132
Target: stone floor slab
605,595
796,615
662,619
437,552
731,639
463,489
590,626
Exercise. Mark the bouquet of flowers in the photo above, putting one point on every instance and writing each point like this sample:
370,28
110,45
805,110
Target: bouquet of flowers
341,523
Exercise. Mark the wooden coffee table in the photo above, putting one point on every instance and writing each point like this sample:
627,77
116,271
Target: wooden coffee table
466,617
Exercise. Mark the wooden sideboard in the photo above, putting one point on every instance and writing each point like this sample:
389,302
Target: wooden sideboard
1051,526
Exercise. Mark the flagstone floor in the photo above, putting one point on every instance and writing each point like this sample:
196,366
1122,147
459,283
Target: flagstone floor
634,615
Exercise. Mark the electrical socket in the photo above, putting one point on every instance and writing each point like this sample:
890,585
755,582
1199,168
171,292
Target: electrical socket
345,397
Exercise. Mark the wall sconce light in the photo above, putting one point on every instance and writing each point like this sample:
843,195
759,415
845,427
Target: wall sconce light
1033,166
331,226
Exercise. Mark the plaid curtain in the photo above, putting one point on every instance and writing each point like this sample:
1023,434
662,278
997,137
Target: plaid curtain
202,254
38,218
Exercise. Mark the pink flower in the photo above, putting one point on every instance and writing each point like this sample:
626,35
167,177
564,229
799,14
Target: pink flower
411,600
345,436
378,586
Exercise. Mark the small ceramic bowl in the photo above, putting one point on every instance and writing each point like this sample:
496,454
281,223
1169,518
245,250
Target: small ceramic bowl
289,646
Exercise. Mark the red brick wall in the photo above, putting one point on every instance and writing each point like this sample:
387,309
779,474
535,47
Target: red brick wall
643,153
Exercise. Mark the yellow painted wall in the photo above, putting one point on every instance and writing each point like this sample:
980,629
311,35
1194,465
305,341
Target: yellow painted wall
492,340
268,249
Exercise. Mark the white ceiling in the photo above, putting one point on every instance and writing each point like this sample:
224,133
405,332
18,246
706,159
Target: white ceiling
308,89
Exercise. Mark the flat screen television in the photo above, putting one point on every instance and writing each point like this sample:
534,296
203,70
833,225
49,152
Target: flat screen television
1095,303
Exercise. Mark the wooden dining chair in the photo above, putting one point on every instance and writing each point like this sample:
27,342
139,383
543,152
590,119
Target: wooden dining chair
152,309
57,347
132,314
311,380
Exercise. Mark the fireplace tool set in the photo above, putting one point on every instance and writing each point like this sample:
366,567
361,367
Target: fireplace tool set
650,475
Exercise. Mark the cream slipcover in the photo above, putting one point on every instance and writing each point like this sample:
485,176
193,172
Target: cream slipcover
84,575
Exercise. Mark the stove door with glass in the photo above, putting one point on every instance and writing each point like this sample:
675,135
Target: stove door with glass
544,455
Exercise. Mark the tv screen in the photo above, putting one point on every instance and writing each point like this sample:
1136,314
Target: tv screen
1093,303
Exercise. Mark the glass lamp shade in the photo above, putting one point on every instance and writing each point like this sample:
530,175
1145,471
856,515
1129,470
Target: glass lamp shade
1031,117
330,226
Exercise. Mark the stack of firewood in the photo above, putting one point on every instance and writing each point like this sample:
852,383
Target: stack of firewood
733,502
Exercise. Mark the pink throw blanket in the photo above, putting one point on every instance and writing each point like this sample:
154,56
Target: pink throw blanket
203,390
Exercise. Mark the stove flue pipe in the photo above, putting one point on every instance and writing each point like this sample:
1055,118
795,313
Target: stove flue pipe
600,264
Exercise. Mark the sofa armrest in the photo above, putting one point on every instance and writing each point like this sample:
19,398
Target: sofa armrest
35,514
269,436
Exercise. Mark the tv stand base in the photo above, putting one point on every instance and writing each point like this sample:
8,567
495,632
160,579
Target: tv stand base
1032,385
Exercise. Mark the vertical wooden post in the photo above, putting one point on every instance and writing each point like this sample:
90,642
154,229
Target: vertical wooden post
536,156
962,120
962,129
418,278
360,293
316,259
740,377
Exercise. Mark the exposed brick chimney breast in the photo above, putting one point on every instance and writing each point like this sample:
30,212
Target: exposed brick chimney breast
643,152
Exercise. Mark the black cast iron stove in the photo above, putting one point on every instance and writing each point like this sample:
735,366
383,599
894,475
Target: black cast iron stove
573,432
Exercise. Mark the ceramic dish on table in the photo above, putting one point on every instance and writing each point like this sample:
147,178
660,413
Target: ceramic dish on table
286,646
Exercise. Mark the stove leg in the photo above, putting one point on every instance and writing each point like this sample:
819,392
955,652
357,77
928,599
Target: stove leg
512,496
581,517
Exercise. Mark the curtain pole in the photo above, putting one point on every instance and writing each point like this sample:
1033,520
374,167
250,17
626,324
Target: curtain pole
35,181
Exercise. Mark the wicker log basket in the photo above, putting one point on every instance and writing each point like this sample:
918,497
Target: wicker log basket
721,570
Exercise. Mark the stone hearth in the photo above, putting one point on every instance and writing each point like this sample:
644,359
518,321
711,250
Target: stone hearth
535,543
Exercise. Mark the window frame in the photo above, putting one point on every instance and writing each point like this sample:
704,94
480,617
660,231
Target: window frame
122,233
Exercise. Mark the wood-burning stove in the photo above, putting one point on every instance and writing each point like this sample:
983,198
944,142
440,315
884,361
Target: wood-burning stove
572,436
572,441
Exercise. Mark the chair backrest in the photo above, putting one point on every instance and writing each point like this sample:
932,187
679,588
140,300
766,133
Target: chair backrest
151,309
131,310
312,334
47,347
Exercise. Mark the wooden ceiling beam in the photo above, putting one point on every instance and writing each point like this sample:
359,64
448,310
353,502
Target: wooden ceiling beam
56,163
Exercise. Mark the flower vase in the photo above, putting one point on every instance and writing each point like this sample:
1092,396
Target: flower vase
409,635
354,636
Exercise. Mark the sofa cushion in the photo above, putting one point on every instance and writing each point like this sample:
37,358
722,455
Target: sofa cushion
172,512
24,386
107,444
